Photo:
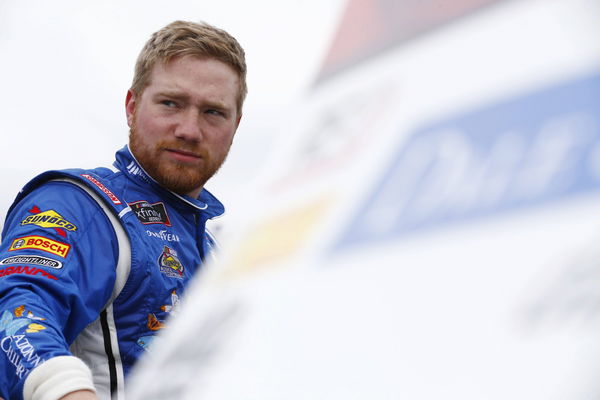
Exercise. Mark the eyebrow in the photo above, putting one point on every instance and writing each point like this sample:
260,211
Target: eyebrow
173,94
178,95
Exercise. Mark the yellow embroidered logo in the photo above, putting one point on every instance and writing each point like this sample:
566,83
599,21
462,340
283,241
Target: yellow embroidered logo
49,219
40,243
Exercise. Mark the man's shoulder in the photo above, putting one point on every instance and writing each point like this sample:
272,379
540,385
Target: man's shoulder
67,186
71,174
52,204
55,190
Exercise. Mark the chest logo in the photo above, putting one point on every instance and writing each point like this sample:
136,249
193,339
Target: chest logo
49,219
163,235
150,213
169,263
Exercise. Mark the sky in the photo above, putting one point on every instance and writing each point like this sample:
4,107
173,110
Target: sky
66,66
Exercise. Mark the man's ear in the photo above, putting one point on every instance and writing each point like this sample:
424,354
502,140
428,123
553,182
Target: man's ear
130,107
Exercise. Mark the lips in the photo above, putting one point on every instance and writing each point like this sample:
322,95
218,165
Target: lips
184,155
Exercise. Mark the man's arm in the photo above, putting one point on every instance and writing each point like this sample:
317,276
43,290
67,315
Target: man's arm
57,261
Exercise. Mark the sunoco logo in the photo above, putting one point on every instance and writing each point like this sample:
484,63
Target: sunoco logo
147,213
48,219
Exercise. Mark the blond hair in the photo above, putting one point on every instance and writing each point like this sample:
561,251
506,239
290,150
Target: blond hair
184,38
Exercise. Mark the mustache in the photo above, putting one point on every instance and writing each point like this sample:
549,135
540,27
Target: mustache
178,145
184,147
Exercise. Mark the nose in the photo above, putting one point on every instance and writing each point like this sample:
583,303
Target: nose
188,126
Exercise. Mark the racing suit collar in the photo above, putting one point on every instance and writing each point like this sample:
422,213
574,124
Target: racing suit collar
127,163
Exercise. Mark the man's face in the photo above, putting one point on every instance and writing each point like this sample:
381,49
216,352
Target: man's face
183,123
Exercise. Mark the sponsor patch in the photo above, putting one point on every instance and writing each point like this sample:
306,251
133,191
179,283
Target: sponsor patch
154,324
17,348
49,219
40,243
25,354
145,341
150,213
172,308
31,259
11,324
27,270
169,263
104,189
20,312
163,235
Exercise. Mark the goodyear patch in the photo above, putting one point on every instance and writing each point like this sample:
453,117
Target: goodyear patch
40,243
48,219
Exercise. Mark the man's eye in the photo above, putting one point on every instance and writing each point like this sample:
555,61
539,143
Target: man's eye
168,103
214,112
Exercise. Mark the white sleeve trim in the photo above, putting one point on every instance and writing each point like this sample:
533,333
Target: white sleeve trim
124,261
57,377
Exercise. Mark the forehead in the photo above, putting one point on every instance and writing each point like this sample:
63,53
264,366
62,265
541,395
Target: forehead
195,75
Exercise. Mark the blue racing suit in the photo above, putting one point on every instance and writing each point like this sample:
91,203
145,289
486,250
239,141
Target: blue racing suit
92,262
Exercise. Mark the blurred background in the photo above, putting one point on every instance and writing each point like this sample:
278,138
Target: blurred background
413,192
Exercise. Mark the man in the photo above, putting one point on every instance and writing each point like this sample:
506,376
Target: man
92,262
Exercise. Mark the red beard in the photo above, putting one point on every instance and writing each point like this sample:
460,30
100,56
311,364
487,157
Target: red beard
181,178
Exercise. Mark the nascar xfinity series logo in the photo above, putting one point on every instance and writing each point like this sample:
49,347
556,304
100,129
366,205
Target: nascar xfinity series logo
147,213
